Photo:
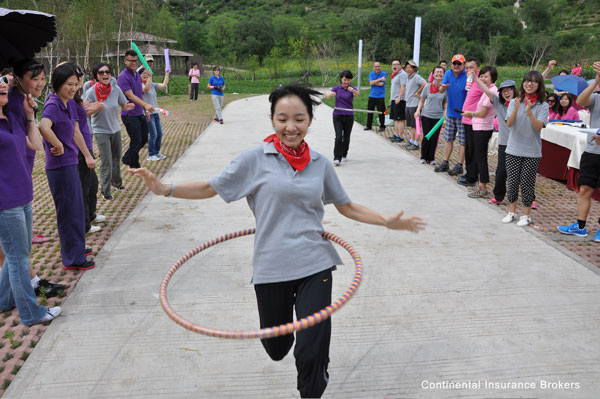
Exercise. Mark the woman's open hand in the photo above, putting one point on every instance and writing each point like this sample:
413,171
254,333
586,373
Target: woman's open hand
410,223
150,180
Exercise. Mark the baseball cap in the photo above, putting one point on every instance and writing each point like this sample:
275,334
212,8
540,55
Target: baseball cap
148,57
459,57
508,83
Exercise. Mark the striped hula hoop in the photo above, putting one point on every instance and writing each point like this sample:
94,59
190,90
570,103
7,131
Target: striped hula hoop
269,332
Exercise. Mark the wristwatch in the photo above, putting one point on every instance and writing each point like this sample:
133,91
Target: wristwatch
171,191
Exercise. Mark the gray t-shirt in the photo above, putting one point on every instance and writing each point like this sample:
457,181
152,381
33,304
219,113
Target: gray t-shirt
594,108
412,86
434,103
503,129
106,121
524,140
397,82
150,97
288,206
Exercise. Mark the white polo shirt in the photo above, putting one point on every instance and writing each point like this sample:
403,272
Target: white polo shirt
288,206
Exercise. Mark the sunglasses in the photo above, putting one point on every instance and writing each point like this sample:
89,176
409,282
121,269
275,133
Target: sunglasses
457,63
132,61
4,79
104,72
551,101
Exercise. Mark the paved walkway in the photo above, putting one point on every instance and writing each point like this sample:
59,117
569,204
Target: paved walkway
469,301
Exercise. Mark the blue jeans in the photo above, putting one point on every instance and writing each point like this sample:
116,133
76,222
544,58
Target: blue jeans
15,283
154,135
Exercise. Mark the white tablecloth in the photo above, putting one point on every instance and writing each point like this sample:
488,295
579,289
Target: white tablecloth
569,137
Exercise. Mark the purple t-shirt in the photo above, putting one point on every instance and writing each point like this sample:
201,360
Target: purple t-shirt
343,99
16,186
63,126
131,81
81,117
17,115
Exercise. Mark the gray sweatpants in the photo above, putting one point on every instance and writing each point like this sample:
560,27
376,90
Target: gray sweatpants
218,103
109,149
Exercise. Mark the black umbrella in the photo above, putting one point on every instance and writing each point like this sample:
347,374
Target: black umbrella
23,33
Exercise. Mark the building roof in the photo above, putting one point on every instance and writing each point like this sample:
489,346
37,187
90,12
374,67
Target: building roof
147,48
138,37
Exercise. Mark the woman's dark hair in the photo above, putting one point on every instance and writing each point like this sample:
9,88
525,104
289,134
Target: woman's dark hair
61,73
304,92
438,67
541,90
26,65
556,104
493,72
194,64
563,110
564,71
97,68
79,92
346,74
442,61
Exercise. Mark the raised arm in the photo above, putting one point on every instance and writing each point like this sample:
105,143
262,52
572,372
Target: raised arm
584,99
165,82
363,214
551,65
483,87
195,190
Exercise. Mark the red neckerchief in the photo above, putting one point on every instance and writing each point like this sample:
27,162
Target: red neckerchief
298,158
395,73
102,91
433,88
531,97
506,103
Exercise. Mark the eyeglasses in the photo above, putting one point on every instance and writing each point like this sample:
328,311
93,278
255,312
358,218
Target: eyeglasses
104,72
551,100
132,61
4,79
457,63
527,81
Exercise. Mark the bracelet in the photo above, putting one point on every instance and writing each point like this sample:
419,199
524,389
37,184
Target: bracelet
31,120
171,191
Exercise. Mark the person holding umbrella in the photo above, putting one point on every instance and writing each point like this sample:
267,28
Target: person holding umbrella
16,195
589,165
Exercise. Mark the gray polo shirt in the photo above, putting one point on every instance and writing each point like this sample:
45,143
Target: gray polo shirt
288,206
594,108
434,103
106,121
150,97
412,86
503,129
397,82
524,140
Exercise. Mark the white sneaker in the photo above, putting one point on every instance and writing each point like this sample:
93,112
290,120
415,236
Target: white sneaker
94,229
51,314
524,221
344,159
337,162
153,158
161,155
99,219
509,218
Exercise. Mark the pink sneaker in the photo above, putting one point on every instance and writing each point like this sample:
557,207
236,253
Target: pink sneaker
495,202
534,205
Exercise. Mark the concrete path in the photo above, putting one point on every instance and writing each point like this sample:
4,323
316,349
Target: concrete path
470,301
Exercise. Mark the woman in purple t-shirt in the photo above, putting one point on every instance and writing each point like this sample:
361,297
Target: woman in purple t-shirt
62,143
342,120
16,195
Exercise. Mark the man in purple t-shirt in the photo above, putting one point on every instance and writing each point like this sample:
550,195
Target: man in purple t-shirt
130,82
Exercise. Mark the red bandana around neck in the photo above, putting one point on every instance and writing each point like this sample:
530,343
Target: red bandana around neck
395,73
298,158
531,97
102,91
433,88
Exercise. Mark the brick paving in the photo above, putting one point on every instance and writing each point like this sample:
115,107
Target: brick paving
16,340
557,206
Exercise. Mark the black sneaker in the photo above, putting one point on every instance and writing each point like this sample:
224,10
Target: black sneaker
367,128
87,265
88,251
108,197
221,121
119,188
382,128
465,181
443,167
456,170
49,289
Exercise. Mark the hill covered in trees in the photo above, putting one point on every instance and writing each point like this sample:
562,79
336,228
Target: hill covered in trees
238,31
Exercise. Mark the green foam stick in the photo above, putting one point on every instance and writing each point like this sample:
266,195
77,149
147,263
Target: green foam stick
432,131
141,57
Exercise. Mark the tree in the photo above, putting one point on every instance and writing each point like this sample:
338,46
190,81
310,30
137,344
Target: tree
253,37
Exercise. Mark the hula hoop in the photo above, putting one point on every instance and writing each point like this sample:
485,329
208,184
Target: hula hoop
269,332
